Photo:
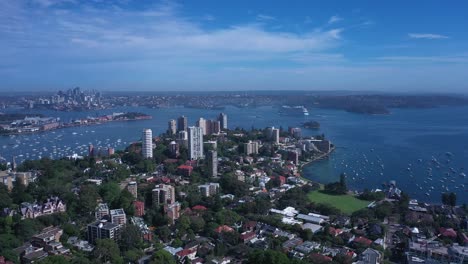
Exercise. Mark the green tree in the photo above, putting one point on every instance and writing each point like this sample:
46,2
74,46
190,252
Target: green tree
130,238
109,192
267,257
133,255
125,201
107,250
26,228
163,233
227,217
19,193
87,199
162,256
5,199
54,260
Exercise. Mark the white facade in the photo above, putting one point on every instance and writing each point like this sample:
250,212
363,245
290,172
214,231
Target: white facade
275,135
172,127
195,143
202,124
223,120
147,144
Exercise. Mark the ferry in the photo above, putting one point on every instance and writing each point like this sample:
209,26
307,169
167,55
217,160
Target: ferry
298,109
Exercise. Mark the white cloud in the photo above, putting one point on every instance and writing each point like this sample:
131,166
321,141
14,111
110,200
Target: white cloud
262,17
426,36
208,17
425,59
334,19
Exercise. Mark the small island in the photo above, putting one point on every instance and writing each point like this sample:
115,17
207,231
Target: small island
311,125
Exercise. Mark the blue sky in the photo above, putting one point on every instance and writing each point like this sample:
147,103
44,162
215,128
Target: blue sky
406,46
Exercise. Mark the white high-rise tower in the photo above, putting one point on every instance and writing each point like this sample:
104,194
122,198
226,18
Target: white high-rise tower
195,143
147,144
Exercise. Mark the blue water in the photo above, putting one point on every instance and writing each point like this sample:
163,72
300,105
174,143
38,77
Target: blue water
371,150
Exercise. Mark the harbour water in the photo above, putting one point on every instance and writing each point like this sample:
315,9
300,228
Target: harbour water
424,150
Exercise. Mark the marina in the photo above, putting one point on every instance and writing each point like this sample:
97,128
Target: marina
405,147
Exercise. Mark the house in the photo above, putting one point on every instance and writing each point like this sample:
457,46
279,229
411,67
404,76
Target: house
292,243
370,256
448,232
51,206
319,258
221,260
199,208
223,228
307,247
249,226
82,245
311,219
139,208
247,236
173,251
334,231
188,253
185,170
312,227
375,230
363,241
49,240
30,254
342,221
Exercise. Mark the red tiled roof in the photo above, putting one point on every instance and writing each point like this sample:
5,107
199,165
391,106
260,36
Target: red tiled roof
199,208
247,235
224,228
448,232
363,240
186,252
320,257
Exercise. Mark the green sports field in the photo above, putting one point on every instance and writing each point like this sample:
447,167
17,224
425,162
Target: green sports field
346,203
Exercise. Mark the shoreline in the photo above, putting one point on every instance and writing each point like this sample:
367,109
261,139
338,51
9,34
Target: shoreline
71,125
322,156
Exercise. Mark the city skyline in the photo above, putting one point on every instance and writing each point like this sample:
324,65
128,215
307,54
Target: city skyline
184,46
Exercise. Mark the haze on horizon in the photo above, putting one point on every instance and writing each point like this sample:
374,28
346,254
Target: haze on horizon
203,45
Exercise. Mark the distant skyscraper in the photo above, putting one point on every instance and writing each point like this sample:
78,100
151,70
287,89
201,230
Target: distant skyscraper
211,145
251,147
182,138
110,151
147,144
172,211
163,194
296,132
195,143
223,121
182,123
208,189
275,135
213,127
172,127
212,159
201,123
90,150
174,149
269,132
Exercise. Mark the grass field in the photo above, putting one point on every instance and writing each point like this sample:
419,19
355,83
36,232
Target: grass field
346,203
